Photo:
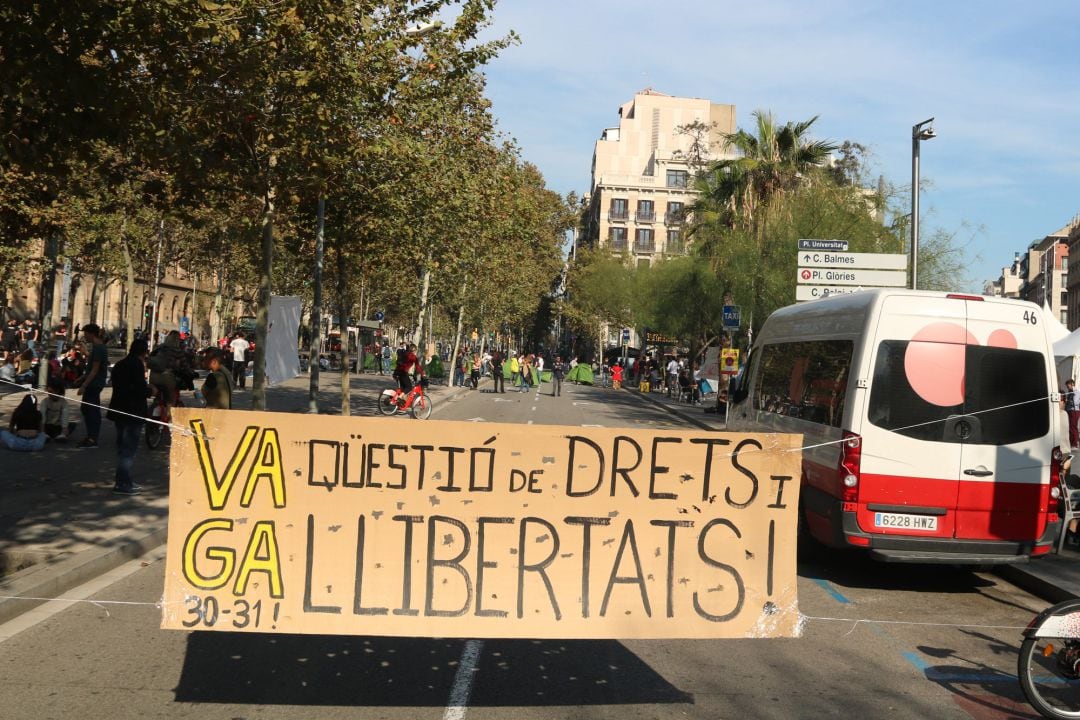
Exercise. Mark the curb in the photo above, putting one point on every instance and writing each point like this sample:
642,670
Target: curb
41,583
677,413
1034,584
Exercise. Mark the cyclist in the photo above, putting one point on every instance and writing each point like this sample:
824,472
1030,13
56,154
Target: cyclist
165,363
408,369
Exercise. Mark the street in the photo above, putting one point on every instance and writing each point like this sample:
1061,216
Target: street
938,642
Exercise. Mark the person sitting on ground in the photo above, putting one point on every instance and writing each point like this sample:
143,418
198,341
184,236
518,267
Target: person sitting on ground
57,421
7,368
24,369
23,433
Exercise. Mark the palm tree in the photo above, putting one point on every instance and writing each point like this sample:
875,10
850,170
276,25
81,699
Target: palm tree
740,194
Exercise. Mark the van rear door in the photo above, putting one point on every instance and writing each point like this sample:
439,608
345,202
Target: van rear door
1006,434
910,468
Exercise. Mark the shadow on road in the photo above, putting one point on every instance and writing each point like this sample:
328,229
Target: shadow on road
408,672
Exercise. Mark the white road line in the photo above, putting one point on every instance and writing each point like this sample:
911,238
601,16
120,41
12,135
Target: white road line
463,681
534,408
77,595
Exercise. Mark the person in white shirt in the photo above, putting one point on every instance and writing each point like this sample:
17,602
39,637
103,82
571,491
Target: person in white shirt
673,374
239,347
7,370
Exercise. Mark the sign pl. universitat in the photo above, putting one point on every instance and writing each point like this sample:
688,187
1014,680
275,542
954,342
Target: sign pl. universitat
301,524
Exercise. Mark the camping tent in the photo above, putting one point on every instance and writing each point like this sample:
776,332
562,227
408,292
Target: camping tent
1066,349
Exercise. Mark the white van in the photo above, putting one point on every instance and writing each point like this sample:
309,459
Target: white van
930,422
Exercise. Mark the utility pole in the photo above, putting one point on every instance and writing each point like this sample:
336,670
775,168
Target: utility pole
157,281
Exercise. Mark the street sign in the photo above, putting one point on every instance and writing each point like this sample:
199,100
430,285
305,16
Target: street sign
379,315
832,245
185,325
626,336
816,292
729,361
732,317
865,278
862,261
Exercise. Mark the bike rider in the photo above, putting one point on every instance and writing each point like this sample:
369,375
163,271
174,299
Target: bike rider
408,369
165,365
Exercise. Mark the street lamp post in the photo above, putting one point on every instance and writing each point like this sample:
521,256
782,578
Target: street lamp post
918,134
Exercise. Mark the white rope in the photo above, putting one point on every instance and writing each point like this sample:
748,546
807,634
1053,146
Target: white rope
32,390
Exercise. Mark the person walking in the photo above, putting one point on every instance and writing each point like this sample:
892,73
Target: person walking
217,388
92,383
498,382
558,371
239,347
127,409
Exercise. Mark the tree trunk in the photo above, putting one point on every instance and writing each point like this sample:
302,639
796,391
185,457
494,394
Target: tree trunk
133,310
48,290
217,325
457,334
418,335
95,294
343,325
262,313
316,311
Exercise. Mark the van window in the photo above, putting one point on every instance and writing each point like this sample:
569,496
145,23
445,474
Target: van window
1003,388
806,380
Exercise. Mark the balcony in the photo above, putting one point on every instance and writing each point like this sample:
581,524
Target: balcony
645,216
618,245
674,219
675,248
644,246
618,215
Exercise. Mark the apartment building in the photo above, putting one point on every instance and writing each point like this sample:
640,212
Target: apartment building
1009,283
1044,273
641,173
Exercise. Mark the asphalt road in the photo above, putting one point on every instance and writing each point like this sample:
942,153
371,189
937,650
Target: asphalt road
939,642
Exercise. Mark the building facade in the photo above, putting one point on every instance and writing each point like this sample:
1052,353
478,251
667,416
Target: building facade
1044,273
642,172
186,302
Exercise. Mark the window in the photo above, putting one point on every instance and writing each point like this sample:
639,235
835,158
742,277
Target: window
1004,397
675,214
645,211
620,209
617,237
677,178
805,380
644,240
674,241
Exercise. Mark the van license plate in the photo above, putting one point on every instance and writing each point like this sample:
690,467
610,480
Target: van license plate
901,521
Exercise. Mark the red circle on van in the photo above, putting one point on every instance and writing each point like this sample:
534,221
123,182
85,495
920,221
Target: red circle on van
934,363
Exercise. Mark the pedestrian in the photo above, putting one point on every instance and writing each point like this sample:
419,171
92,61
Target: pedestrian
60,336
56,418
1072,409
539,368
24,433
127,409
239,347
384,359
31,333
474,374
616,376
497,379
217,388
558,371
515,368
526,373
9,341
91,384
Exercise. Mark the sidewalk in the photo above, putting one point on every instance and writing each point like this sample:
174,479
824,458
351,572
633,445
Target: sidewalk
60,524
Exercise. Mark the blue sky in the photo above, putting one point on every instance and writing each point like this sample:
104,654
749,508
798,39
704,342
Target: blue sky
1002,80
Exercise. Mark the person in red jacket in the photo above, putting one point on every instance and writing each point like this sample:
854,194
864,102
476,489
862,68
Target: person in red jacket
409,369
616,376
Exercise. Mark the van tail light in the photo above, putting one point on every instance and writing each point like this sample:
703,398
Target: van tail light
1056,458
850,464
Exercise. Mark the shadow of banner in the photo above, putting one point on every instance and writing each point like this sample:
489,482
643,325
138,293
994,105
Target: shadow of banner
276,669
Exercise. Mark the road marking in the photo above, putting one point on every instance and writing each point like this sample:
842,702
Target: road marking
534,408
530,422
476,419
503,400
828,587
463,681
592,426
940,675
72,597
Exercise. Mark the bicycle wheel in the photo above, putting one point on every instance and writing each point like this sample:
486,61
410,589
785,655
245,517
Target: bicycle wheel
387,403
421,407
154,431
1049,667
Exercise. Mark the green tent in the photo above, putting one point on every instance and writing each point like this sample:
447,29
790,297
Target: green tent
580,373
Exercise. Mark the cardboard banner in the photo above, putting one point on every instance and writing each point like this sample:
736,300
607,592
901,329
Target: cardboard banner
378,526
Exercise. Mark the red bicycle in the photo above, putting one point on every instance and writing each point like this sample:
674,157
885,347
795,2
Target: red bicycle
161,411
392,401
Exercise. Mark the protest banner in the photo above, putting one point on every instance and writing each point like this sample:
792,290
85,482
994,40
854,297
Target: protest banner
330,525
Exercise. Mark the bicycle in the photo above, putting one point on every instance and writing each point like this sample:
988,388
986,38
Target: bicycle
394,400
162,412
1049,664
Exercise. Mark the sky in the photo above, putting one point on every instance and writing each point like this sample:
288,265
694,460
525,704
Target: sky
1001,79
